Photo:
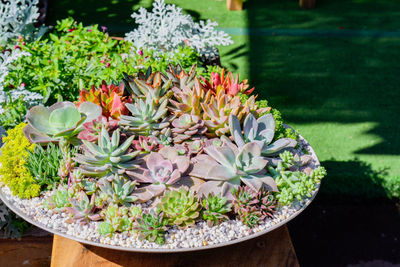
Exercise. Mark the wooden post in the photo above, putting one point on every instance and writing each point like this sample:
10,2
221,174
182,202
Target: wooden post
307,4
234,4
272,249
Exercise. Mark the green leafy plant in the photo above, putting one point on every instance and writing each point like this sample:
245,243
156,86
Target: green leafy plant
72,57
180,207
43,163
13,113
215,208
119,190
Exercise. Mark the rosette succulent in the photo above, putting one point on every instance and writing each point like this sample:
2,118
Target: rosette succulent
148,118
187,98
218,108
91,130
225,167
151,226
244,205
227,84
155,84
261,131
146,144
110,98
108,157
119,191
163,169
61,120
180,207
187,127
215,208
82,209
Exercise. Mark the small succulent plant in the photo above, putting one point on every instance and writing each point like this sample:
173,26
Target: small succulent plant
162,170
146,144
155,84
151,226
82,209
217,109
293,185
260,131
92,129
148,118
227,84
115,219
108,157
180,207
244,204
187,127
43,163
226,166
61,120
59,199
119,190
215,208
110,98
187,97
179,77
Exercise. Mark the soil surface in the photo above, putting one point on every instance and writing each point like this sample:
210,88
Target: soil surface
336,233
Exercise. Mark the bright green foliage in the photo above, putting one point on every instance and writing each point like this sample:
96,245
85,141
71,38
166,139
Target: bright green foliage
294,185
151,226
214,209
59,199
13,171
73,57
43,163
13,114
180,207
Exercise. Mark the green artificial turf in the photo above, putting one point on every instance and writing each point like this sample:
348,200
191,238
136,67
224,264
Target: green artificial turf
339,89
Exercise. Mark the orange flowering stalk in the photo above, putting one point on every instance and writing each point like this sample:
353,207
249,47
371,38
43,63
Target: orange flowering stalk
109,97
220,82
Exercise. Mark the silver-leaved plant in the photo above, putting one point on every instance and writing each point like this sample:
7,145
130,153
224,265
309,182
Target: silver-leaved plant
166,28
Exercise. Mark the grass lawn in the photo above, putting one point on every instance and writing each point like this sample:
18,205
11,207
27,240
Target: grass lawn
340,91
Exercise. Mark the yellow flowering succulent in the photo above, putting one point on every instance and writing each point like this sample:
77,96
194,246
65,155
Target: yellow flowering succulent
12,159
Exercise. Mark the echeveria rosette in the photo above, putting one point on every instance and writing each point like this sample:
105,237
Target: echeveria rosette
225,167
163,169
215,209
108,157
187,127
82,209
261,131
180,207
119,190
151,226
146,144
61,120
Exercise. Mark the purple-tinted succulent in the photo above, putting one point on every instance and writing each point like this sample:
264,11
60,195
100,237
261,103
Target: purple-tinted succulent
92,129
82,209
163,168
146,144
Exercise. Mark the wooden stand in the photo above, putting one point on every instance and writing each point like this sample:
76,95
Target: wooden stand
307,4
272,249
29,251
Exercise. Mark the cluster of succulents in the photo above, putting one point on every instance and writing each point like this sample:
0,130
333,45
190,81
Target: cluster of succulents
161,150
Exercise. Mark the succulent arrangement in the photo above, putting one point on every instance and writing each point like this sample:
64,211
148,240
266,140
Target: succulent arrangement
159,150
134,138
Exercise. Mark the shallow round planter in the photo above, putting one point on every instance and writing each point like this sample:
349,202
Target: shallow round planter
279,220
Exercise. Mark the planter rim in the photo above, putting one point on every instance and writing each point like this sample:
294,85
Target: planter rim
27,218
